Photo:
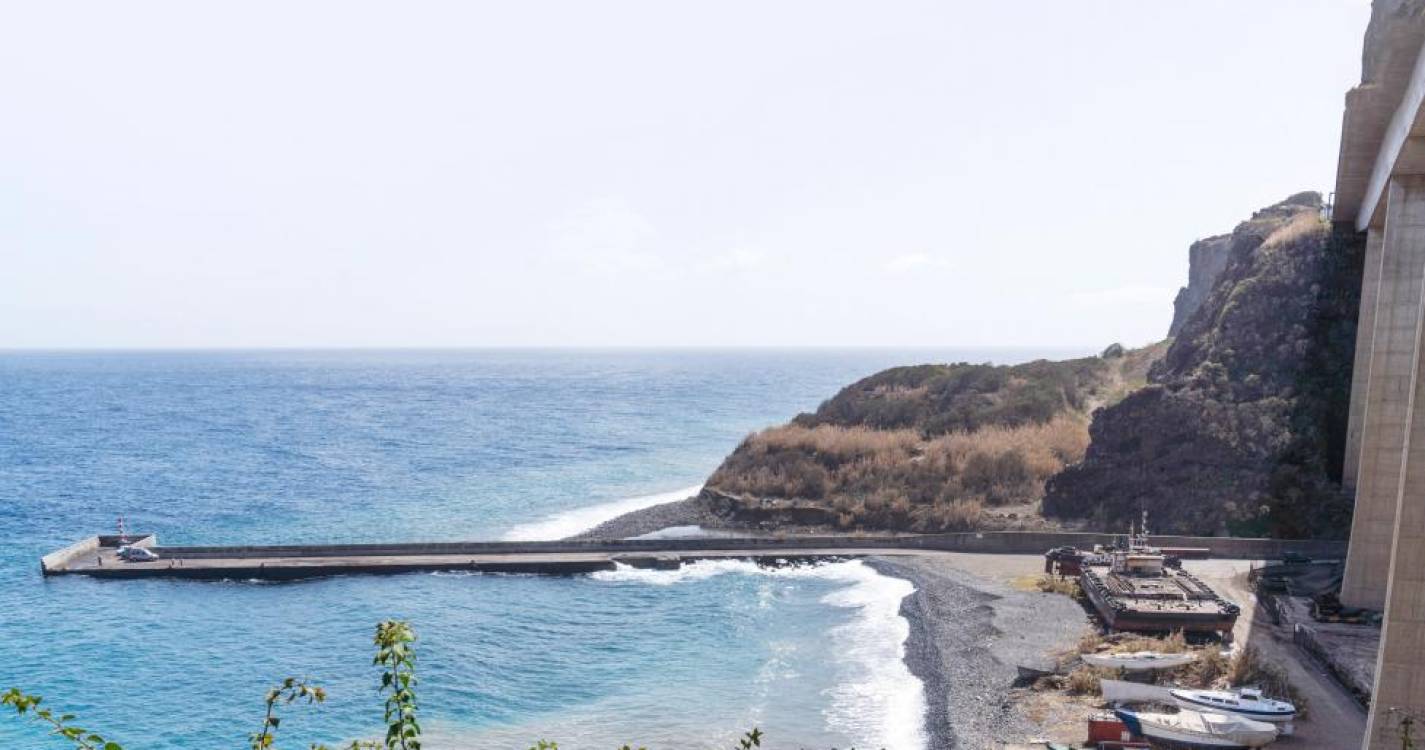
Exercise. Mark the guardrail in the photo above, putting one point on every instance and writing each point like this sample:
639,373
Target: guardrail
1305,639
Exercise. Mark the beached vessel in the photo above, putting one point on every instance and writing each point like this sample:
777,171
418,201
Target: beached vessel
1138,661
1198,729
1140,591
1247,702
1118,692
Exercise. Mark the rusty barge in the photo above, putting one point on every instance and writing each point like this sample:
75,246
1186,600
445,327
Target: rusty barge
1135,586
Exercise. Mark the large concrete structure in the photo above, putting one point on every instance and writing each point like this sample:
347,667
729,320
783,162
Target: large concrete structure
97,556
1380,190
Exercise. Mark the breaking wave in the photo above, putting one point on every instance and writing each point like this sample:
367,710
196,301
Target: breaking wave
876,699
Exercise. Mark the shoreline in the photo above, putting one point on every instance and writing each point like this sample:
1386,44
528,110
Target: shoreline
968,632
969,628
922,654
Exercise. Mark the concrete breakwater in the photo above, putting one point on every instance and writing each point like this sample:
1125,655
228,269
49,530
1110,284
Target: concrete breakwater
97,556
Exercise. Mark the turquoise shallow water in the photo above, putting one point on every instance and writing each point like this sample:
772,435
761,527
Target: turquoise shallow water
369,446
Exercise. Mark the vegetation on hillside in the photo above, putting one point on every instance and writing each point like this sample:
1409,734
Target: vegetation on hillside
1236,426
902,479
939,399
929,447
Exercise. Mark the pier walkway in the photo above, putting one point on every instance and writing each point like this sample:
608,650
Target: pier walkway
97,556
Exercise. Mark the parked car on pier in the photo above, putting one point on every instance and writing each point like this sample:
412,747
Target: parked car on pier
137,554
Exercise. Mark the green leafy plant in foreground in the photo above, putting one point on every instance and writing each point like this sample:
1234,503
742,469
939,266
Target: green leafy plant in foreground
59,724
290,690
395,652
395,655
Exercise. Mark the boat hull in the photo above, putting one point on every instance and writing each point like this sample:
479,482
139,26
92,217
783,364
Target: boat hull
1193,704
1161,733
1121,661
1125,617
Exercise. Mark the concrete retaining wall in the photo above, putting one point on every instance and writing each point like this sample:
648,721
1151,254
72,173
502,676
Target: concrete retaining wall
62,557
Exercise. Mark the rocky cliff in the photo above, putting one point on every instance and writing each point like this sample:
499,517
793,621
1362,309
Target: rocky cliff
1206,259
1240,429
1234,426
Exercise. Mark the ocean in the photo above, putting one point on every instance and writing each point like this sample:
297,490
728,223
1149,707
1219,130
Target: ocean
365,446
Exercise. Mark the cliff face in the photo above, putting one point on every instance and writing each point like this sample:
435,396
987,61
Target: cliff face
1237,426
1206,259
1241,427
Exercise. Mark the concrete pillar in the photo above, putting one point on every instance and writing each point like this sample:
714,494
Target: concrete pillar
1400,682
1360,371
1387,397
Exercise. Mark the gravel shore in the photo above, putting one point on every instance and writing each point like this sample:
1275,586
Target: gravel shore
969,628
967,634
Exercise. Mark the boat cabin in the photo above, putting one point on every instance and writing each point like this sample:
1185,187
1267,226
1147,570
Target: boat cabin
1138,563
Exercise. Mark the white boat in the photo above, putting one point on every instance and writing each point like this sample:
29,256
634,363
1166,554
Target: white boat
1138,661
1123,691
1245,702
1199,729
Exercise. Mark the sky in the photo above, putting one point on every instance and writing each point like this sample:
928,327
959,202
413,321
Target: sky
614,173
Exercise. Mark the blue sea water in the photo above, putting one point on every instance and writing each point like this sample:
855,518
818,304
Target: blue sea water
363,446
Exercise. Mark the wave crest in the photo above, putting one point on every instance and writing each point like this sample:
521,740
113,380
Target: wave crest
877,700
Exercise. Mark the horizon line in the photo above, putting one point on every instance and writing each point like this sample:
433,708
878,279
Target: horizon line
538,347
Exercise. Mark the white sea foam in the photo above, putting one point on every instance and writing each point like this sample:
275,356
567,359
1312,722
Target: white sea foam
877,700
571,522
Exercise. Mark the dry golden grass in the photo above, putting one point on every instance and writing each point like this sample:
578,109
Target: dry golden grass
901,479
1304,223
1046,448
841,443
1207,671
957,515
1090,642
1170,644
1085,680
1211,669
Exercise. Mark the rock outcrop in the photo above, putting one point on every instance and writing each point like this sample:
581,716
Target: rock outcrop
1241,427
1206,259
925,448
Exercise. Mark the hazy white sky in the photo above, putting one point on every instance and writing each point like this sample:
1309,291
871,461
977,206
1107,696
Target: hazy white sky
643,173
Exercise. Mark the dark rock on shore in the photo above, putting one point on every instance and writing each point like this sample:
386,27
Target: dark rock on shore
693,511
